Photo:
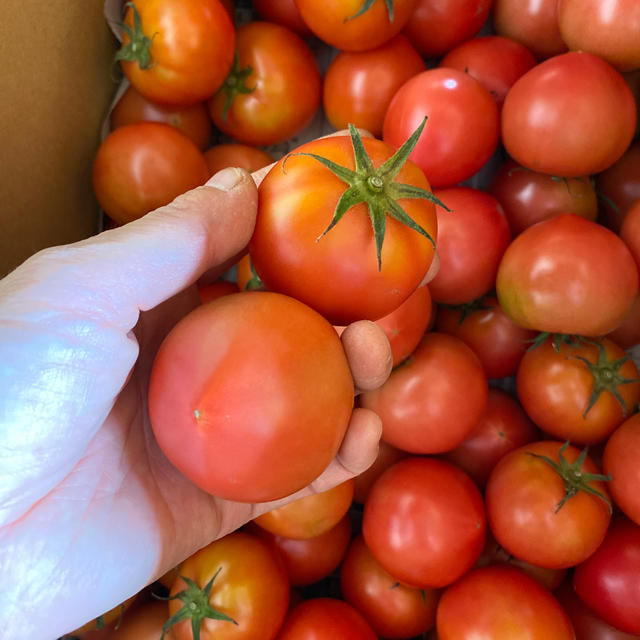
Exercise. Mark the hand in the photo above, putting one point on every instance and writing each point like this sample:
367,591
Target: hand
91,511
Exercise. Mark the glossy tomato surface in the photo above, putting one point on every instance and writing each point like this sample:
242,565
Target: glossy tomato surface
245,156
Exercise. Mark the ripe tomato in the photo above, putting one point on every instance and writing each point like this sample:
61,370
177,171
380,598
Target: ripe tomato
424,522
144,622
213,290
354,25
387,456
283,12
177,51
236,155
501,603
392,609
630,230
528,197
260,102
454,103
358,85
246,406
295,245
250,586
541,506
142,166
567,275
627,334
545,126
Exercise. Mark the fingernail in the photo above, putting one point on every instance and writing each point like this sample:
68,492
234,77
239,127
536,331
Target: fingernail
225,179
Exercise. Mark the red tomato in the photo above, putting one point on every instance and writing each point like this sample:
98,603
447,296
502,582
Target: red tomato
608,29
501,603
282,12
545,126
454,104
261,103
387,456
142,166
579,391
627,334
437,27
181,51
547,515
424,522
495,62
250,586
144,622
503,427
293,255
471,240
534,23
567,275
620,461
236,155
609,580
354,25
630,230
325,619
213,290
358,85
246,406
528,197
392,609
432,402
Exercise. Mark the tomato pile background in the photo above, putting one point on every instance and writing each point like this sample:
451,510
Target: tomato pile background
505,498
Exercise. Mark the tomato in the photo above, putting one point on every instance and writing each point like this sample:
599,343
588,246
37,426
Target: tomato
609,580
250,408
392,609
503,427
108,620
179,51
495,62
528,196
534,23
455,104
630,230
144,622
213,290
493,336
627,334
193,121
310,516
282,12
260,102
142,166
541,504
578,391
472,237
437,27
355,25
236,155
545,126
424,522
358,85
433,400
620,461
387,456
609,30
501,603
567,275
250,586
355,269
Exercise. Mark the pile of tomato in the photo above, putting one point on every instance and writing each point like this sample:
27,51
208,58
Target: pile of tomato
498,137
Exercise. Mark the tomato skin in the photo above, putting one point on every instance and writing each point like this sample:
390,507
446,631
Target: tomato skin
191,51
252,587
455,103
567,275
289,258
213,290
627,333
630,230
434,400
545,128
283,12
393,610
424,522
609,580
387,456
276,109
143,166
522,497
359,85
501,603
144,622
286,402
250,158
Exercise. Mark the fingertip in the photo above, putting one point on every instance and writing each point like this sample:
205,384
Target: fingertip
369,354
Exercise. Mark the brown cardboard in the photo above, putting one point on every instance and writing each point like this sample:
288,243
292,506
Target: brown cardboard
56,83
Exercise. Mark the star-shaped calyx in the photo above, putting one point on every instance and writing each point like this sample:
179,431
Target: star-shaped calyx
367,4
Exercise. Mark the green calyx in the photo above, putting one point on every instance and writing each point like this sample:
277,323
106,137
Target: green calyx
234,84
367,4
575,480
377,188
254,283
138,49
571,340
468,308
195,607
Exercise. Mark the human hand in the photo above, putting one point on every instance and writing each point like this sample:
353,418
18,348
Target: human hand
91,511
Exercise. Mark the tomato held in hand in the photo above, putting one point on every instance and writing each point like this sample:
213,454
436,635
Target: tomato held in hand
248,406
